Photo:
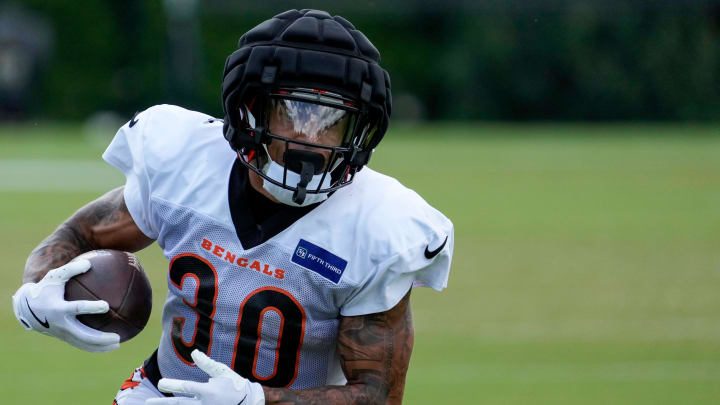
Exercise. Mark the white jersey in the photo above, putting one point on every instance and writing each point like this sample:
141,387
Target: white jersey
270,311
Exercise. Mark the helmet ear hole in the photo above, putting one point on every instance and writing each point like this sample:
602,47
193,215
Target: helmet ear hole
247,118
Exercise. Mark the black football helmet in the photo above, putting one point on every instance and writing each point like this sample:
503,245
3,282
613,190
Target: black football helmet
305,58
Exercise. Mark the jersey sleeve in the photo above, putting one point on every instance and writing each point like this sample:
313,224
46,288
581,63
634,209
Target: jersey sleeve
127,153
424,262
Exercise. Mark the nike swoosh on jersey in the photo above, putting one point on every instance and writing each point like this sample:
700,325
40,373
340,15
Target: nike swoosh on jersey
429,254
134,120
45,323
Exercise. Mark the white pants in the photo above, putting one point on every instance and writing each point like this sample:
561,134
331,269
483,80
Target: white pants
136,389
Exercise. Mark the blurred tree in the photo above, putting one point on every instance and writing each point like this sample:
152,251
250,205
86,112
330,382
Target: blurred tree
514,60
25,46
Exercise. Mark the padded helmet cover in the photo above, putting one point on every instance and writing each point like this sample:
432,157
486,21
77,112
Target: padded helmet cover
307,49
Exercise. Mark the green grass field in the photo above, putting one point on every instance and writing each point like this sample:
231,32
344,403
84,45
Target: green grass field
586,269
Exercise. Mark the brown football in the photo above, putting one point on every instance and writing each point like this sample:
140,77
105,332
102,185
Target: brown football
117,278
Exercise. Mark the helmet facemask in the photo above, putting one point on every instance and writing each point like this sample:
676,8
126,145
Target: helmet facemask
306,141
289,56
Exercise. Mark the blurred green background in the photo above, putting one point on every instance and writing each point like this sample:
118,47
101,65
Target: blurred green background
575,145
450,59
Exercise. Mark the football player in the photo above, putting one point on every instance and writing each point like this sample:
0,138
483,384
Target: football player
291,263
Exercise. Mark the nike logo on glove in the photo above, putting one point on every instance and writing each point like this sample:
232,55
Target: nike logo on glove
432,253
45,323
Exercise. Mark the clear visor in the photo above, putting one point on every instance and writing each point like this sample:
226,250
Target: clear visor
309,122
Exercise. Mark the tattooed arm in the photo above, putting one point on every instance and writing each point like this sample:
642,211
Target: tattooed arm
375,353
102,224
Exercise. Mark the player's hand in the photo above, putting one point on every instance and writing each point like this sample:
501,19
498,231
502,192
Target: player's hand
42,307
225,387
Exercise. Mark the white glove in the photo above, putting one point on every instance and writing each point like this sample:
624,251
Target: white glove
225,387
42,307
